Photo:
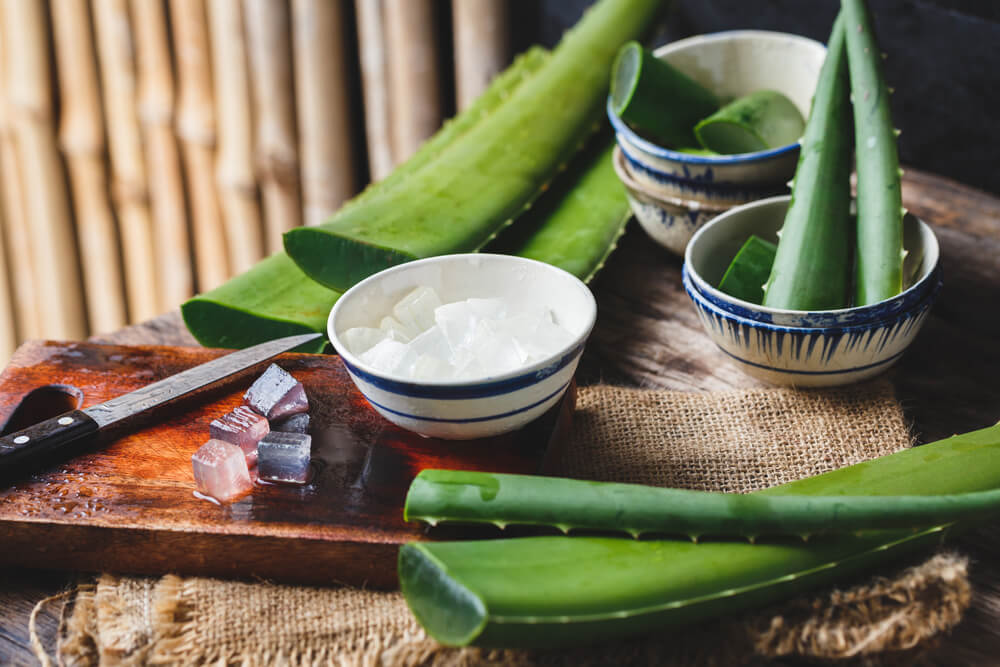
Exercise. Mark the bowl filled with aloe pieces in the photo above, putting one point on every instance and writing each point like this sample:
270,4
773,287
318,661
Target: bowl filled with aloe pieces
707,123
818,289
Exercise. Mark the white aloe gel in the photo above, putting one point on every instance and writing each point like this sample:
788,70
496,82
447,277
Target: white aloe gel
423,339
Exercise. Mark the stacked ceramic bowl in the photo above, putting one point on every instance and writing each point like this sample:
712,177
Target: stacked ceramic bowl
672,193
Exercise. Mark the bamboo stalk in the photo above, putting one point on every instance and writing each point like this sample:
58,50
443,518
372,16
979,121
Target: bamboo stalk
15,223
59,296
482,45
234,174
196,129
175,273
115,48
268,36
8,329
374,87
81,134
323,106
415,107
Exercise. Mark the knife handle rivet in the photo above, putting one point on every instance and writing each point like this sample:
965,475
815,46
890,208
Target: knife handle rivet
21,439
65,421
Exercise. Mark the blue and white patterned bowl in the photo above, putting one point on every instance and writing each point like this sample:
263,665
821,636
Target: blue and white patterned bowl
669,221
805,348
731,64
482,407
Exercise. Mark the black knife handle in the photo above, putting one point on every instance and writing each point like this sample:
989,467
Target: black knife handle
45,438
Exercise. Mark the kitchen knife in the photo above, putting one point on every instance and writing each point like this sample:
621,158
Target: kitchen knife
26,447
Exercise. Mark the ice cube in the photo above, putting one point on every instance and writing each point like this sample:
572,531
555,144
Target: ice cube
361,339
387,356
415,311
397,331
277,394
242,427
458,320
284,457
427,367
535,333
220,470
295,424
432,343
496,352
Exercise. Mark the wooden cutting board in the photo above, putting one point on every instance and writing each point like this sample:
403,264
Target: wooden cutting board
128,504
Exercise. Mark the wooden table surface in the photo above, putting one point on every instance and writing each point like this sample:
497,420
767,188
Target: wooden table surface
648,335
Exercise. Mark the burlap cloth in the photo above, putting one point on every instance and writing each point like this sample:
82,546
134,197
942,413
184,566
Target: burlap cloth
738,441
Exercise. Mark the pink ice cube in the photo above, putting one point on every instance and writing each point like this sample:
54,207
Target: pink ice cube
276,394
220,470
242,427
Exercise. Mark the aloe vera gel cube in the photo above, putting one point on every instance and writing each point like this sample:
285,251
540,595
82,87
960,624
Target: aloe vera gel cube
284,457
220,470
242,427
277,394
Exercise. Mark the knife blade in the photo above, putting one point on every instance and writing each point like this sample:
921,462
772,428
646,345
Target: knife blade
19,450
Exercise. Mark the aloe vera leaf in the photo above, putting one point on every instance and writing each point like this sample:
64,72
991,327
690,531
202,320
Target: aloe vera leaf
577,223
489,174
747,274
879,249
755,122
660,100
275,298
441,496
550,591
812,269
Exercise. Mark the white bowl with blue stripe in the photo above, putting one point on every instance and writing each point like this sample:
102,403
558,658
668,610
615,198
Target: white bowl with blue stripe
482,407
730,64
805,348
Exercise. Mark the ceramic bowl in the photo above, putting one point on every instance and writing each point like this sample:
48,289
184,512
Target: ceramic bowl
670,221
487,406
731,64
805,348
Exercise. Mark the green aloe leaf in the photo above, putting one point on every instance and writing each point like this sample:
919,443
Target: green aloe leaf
551,591
490,174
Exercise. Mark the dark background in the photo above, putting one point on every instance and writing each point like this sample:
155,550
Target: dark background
943,61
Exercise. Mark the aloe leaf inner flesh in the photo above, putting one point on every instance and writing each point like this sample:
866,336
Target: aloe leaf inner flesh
755,122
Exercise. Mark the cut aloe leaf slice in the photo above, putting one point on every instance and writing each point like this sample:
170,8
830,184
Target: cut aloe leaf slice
658,99
747,274
759,121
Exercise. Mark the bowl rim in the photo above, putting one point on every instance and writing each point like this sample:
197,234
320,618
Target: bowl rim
635,189
715,160
483,387
875,311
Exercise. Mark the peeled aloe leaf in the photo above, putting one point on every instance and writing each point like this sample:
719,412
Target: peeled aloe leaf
577,223
812,269
550,591
437,496
275,298
488,175
879,255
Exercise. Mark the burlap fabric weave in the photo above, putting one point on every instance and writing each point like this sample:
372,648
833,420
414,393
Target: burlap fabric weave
738,441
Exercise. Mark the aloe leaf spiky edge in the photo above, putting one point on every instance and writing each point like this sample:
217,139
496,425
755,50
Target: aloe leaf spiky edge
492,173
812,268
577,223
551,591
275,298
443,496
879,248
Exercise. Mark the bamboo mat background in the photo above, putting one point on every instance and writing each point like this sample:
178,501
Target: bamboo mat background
151,149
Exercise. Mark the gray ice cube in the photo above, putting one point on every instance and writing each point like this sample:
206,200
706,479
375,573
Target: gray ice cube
284,457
